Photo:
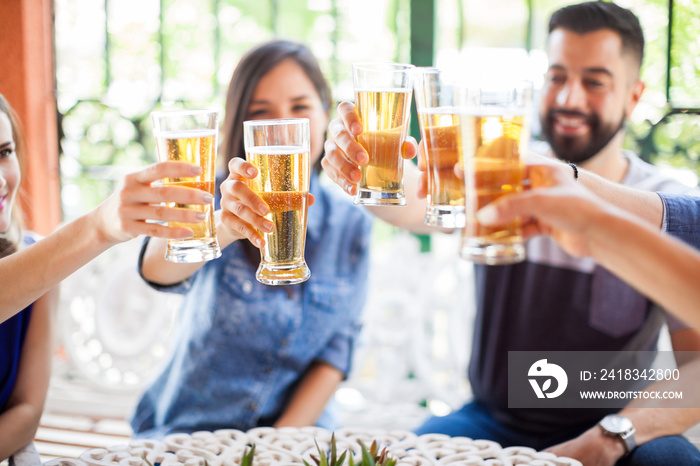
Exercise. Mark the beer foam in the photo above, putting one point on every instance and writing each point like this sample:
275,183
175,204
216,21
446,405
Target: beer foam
445,110
398,90
185,134
277,150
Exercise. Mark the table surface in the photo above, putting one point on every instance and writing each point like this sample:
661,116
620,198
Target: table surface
290,446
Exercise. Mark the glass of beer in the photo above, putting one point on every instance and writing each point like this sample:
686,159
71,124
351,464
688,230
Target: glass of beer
280,151
383,101
190,136
441,137
495,122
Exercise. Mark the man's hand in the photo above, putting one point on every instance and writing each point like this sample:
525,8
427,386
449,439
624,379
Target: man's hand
592,448
344,155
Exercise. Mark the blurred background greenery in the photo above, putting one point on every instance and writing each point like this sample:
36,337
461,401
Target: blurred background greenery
116,61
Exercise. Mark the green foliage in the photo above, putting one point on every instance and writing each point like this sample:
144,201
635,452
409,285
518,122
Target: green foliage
332,459
248,456
374,457
369,457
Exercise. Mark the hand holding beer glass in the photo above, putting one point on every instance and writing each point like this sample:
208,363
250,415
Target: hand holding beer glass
495,135
438,115
190,136
279,149
383,100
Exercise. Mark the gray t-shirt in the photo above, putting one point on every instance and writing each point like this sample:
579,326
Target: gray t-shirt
556,302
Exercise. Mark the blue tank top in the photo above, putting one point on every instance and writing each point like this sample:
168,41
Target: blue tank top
12,334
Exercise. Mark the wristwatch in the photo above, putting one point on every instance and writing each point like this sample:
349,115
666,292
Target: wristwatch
615,425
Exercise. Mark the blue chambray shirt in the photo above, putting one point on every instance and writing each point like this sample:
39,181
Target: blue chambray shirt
242,346
682,217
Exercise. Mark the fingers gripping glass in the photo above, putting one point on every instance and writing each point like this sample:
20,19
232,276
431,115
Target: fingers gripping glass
383,99
190,136
280,151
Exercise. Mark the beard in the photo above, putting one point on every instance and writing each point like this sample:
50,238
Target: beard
576,149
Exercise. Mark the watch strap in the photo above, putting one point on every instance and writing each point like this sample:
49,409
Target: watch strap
628,440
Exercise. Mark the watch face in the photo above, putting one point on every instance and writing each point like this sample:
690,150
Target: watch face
616,424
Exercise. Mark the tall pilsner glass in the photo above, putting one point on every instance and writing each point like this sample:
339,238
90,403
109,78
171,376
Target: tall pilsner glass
436,101
190,136
383,100
495,134
280,151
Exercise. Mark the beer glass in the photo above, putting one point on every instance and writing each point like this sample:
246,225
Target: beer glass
495,122
383,101
441,137
280,151
190,136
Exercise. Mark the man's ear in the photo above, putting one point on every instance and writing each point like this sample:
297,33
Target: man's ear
635,94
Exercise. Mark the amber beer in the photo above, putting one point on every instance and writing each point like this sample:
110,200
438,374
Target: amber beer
442,139
384,128
492,145
283,185
383,99
190,136
437,96
280,151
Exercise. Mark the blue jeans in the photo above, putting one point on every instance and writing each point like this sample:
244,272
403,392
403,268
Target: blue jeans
475,421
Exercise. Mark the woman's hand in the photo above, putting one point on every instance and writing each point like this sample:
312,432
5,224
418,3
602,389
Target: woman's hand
137,203
242,211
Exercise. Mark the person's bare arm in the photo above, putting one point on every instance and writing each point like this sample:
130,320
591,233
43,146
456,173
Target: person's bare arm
312,395
32,271
242,216
658,266
655,264
646,205
20,419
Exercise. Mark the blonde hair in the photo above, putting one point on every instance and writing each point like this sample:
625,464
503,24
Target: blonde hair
11,239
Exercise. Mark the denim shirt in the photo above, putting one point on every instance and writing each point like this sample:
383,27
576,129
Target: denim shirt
242,347
682,217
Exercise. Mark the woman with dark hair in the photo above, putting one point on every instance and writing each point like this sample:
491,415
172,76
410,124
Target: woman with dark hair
247,354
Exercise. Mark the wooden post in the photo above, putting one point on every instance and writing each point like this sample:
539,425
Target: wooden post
27,81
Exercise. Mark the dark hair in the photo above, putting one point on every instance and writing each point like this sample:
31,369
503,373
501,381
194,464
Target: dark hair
10,240
255,64
593,16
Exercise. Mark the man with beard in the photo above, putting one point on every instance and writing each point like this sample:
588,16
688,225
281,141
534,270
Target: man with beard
553,301
556,302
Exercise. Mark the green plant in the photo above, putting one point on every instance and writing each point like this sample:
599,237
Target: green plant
332,458
369,457
373,457
247,458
